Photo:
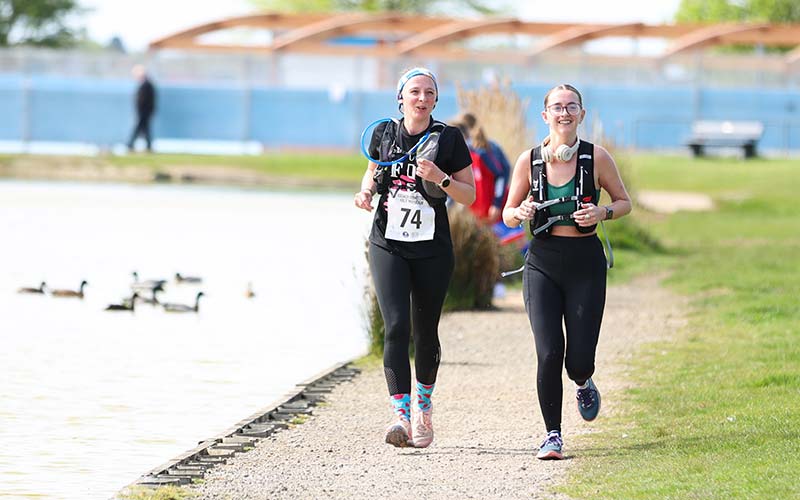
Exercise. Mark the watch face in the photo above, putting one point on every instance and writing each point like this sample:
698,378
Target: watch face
446,182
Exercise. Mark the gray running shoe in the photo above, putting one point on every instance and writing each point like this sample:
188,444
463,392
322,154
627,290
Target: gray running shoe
589,401
550,449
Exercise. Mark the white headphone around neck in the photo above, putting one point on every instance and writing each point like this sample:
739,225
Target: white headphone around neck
562,152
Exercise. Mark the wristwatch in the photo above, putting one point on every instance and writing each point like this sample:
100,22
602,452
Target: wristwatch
609,213
445,182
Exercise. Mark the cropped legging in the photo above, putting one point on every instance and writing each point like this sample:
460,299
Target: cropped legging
564,281
410,294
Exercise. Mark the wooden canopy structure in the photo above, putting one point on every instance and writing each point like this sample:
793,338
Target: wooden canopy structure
394,35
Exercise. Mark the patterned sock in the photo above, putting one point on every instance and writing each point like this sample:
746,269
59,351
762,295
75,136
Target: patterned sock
401,404
424,396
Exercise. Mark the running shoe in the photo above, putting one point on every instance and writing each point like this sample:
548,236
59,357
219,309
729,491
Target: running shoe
423,428
550,449
399,434
589,401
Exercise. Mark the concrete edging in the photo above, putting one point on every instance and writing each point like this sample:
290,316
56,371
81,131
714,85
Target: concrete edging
244,435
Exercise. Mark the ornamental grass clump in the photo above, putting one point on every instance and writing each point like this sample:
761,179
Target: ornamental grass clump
501,113
477,266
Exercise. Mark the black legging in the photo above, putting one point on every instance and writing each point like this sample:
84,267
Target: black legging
564,279
142,128
399,284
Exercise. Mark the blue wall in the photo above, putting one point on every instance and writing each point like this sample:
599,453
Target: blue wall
101,112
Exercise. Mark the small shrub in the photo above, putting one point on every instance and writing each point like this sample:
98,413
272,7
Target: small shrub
477,266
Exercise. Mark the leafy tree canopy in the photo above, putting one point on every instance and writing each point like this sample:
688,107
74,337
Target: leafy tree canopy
774,11
38,22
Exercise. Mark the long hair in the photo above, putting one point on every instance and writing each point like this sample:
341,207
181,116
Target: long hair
476,133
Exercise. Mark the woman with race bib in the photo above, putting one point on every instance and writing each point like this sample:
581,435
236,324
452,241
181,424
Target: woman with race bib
556,186
410,250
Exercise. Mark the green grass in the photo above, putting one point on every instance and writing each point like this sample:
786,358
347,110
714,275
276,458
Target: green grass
161,493
329,168
715,411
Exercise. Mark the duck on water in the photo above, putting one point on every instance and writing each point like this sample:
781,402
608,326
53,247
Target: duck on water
26,289
70,293
170,307
126,305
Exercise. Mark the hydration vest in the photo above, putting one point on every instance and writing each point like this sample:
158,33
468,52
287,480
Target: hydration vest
585,191
391,149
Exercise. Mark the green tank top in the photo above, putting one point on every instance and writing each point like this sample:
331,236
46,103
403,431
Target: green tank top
568,207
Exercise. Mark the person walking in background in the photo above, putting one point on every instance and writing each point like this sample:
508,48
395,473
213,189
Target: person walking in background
564,278
145,107
410,248
495,160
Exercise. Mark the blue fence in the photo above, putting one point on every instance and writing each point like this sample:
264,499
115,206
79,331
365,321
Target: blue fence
100,112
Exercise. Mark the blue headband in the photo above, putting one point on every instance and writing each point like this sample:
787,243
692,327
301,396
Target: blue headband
411,74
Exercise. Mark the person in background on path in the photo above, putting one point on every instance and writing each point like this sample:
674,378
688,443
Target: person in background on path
494,158
564,278
145,107
410,248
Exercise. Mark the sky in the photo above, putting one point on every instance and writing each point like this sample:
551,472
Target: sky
139,22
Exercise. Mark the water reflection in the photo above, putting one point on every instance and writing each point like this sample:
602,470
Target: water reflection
113,394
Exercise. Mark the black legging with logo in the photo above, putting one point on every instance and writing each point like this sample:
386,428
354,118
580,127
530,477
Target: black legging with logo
400,285
564,280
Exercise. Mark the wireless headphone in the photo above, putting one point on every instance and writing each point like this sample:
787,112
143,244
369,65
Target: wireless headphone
562,153
408,75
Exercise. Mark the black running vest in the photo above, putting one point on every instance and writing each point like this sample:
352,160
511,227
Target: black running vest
391,148
584,187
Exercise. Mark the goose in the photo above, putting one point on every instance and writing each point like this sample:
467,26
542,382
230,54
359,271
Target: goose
187,279
127,304
70,293
249,293
147,284
183,307
26,289
153,300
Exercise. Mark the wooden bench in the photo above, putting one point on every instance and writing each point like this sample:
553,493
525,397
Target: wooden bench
725,134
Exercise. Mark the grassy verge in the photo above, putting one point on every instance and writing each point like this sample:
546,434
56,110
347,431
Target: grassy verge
715,411
332,167
323,169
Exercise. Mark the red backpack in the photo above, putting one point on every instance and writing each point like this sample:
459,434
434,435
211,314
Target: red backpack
484,187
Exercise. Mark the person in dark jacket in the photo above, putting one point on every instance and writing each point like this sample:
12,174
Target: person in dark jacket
145,107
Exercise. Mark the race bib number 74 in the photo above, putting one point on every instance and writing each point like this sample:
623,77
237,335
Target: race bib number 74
410,218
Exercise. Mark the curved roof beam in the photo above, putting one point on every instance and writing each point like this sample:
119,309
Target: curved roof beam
711,35
577,34
452,31
329,27
268,20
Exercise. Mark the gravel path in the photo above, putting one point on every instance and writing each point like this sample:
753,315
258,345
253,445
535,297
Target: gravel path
487,418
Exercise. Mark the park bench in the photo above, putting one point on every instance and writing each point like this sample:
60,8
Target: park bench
725,134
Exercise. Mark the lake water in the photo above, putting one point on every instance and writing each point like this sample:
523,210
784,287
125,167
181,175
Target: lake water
91,399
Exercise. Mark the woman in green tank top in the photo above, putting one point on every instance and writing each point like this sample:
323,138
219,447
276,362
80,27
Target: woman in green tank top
564,278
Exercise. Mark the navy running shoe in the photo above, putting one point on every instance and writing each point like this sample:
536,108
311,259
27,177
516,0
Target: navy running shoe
550,449
589,401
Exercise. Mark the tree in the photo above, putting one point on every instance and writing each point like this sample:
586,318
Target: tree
409,6
38,22
775,11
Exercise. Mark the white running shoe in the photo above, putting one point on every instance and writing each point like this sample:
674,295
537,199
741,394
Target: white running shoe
399,433
423,427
